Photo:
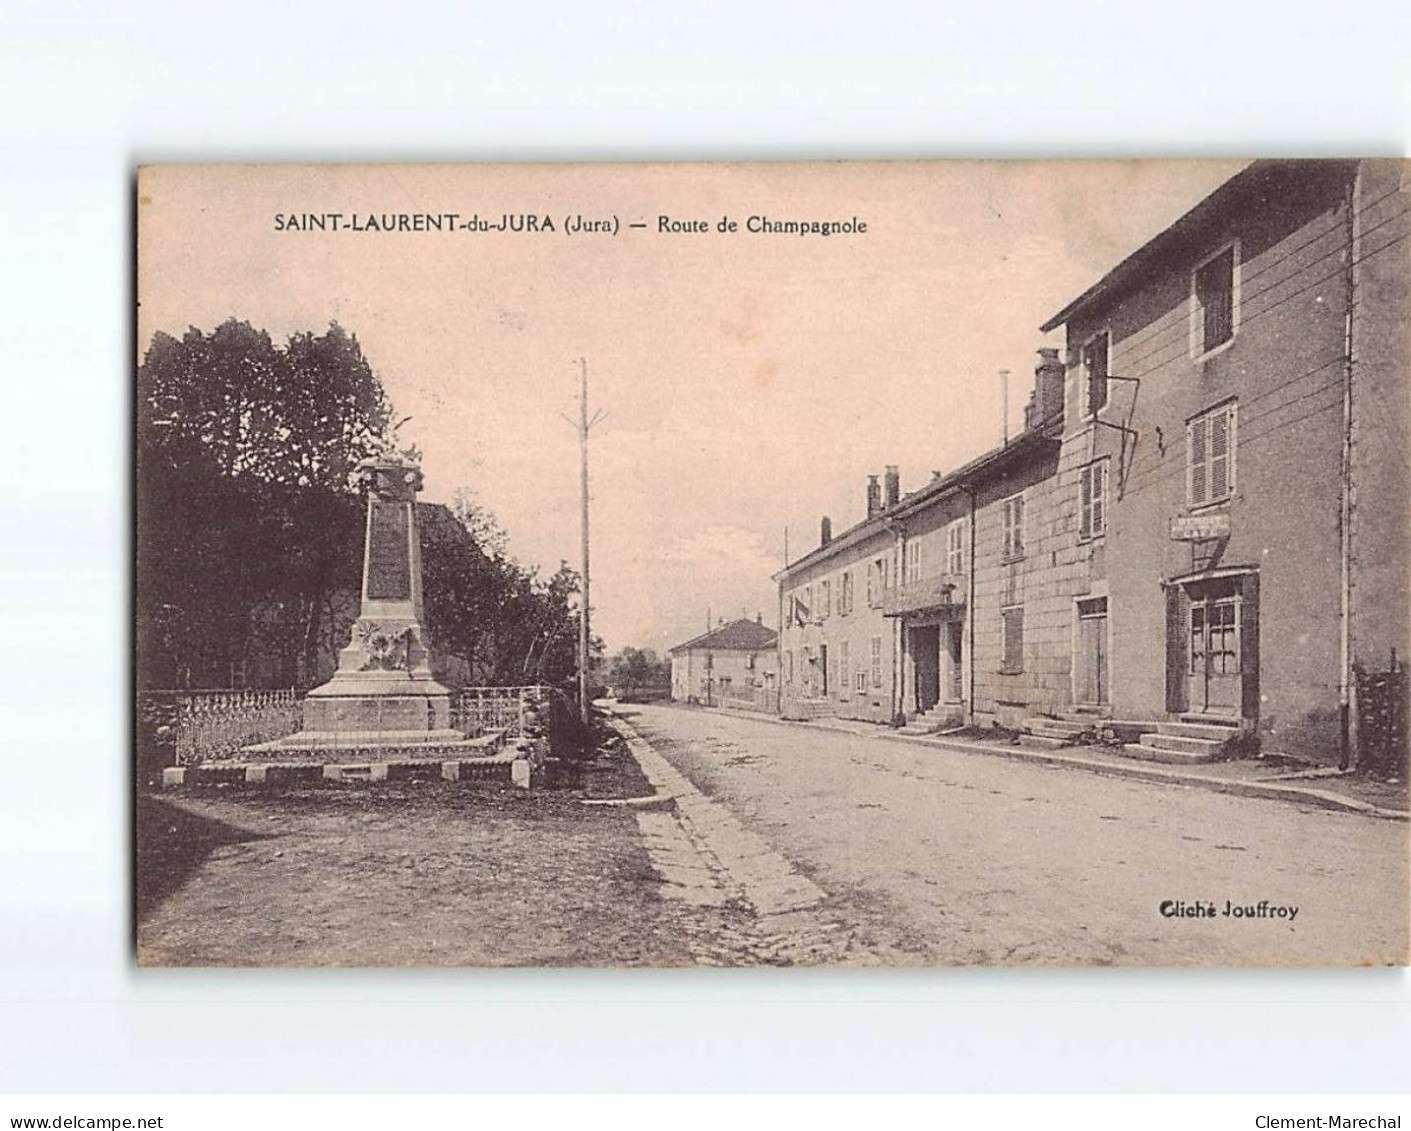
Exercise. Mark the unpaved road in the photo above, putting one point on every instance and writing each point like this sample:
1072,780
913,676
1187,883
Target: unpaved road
947,857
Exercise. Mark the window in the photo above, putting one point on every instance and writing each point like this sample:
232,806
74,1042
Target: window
955,546
912,561
845,594
1213,309
1210,456
860,679
876,661
1092,500
876,581
825,598
1012,514
1011,624
1095,372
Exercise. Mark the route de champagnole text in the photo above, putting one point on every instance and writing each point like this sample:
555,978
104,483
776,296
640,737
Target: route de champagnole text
571,224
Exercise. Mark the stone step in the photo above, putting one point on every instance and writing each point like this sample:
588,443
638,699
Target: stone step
1171,757
1184,743
1067,737
1043,742
1129,730
1199,730
1042,724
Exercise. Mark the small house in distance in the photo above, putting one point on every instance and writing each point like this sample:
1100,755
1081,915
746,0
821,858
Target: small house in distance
733,665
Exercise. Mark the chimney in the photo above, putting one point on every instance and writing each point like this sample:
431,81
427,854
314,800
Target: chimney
893,481
1047,400
825,531
759,618
874,496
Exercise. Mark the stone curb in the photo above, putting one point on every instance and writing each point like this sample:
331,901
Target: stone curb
661,799
767,881
1266,791
504,769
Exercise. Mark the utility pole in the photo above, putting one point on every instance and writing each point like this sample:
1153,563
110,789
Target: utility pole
584,426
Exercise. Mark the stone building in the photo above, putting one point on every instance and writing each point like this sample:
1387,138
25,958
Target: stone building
734,664
1201,533
949,604
837,648
1238,385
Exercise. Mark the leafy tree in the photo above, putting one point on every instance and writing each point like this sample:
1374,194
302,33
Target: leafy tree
244,457
635,668
250,535
508,625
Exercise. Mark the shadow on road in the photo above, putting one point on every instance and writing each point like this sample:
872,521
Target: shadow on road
172,843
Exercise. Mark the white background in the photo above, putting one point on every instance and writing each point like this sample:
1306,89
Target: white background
88,91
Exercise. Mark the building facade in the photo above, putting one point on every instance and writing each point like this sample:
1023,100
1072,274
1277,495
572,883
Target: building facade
968,586
1241,379
837,648
1204,520
734,664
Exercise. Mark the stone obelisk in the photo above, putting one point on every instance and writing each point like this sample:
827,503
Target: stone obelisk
382,693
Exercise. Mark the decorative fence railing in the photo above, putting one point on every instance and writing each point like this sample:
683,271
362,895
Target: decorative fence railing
1382,701
180,727
476,710
175,728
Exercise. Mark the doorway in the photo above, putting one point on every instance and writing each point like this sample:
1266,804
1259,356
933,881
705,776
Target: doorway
955,673
1090,678
1214,650
924,645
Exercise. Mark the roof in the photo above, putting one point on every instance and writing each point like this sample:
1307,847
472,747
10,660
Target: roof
738,635
1248,188
1041,436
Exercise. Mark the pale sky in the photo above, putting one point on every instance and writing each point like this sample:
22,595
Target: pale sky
751,382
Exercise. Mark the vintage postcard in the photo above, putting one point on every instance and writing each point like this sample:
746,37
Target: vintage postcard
918,563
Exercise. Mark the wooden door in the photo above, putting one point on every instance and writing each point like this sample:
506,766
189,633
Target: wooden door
1214,665
955,674
1090,662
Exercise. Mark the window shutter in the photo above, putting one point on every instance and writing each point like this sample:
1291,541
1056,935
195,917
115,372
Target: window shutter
1220,454
1176,612
1018,526
1085,503
1012,628
1099,493
1195,432
1249,645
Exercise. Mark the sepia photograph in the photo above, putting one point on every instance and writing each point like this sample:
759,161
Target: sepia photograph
791,564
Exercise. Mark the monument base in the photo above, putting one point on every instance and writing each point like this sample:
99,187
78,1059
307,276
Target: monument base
361,701
373,746
376,715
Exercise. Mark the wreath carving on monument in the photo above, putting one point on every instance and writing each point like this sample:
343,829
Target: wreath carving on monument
384,649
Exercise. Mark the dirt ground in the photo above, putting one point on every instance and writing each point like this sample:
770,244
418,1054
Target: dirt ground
424,874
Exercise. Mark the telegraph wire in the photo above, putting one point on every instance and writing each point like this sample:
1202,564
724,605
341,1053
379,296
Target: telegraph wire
1182,323
1140,478
1160,330
1256,315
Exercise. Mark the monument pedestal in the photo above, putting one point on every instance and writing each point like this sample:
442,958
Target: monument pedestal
382,699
